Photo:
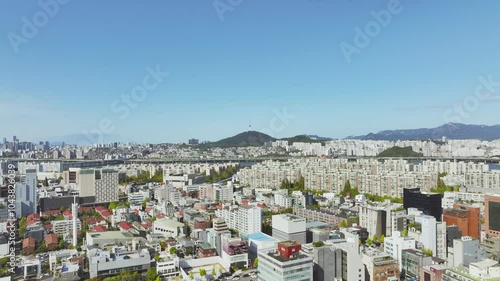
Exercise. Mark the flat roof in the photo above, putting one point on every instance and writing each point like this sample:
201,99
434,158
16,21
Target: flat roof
261,237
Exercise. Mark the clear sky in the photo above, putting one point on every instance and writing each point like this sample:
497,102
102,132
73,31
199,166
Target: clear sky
234,65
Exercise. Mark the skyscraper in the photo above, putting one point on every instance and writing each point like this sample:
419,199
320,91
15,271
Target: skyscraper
26,195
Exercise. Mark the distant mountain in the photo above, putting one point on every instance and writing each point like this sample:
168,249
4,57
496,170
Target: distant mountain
400,152
450,131
251,138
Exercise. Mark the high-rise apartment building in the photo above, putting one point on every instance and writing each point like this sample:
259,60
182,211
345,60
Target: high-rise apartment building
244,219
27,194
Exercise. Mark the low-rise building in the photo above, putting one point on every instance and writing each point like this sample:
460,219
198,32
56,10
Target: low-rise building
285,263
105,263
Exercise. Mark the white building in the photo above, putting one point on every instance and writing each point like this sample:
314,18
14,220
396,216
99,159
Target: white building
395,245
244,219
277,266
223,193
288,227
104,263
27,195
168,227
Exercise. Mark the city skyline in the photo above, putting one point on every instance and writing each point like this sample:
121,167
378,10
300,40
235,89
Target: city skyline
210,74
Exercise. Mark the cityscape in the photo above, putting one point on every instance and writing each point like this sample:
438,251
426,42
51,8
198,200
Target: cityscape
249,140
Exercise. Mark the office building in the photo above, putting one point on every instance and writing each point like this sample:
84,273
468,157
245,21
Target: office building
288,227
168,227
466,218
102,184
492,215
285,263
27,195
428,203
411,262
223,194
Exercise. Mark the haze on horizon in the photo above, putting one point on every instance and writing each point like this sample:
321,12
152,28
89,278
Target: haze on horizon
279,66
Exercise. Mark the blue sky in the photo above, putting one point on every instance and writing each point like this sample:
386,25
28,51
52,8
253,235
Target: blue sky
262,57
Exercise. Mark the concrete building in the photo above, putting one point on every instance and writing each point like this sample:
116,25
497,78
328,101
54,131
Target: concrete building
27,195
396,244
428,203
285,263
486,270
467,218
411,262
258,242
223,193
377,220
465,251
287,227
380,266
102,184
491,248
168,227
105,263
244,219
432,272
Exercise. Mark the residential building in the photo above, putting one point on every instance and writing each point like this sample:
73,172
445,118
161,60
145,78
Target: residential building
380,266
432,272
287,227
285,263
244,219
396,244
486,270
376,219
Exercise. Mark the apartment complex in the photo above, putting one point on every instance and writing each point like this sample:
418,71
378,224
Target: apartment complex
244,219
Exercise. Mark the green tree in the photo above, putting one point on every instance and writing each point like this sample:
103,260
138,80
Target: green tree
369,242
151,274
144,203
112,206
427,252
173,251
382,239
375,238
191,275
318,244
404,233
203,272
213,271
157,257
343,224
